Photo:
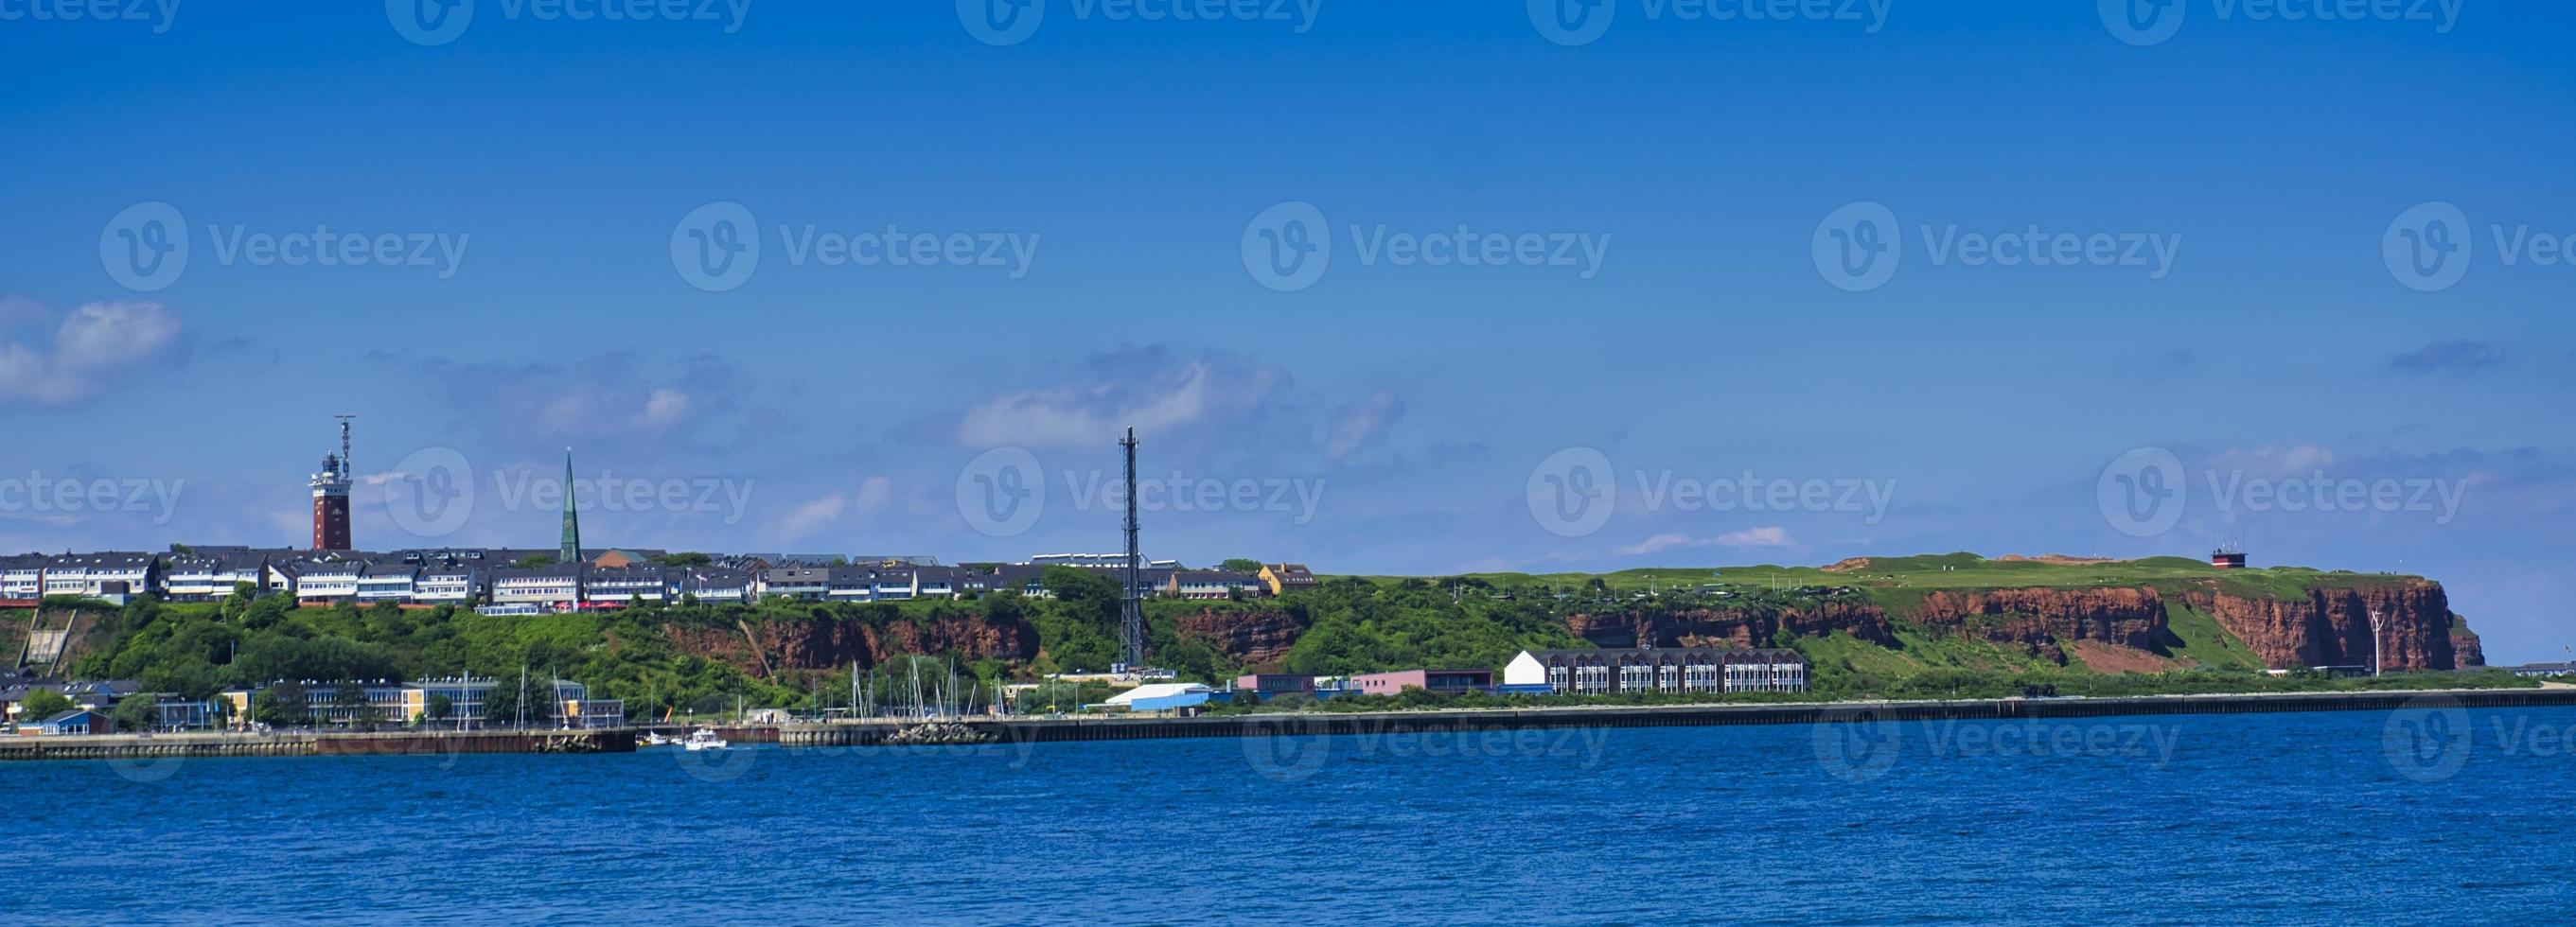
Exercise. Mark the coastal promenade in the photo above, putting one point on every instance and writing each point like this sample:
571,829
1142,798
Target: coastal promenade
883,732
1047,730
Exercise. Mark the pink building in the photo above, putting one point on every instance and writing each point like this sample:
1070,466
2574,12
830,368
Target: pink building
1444,682
1269,684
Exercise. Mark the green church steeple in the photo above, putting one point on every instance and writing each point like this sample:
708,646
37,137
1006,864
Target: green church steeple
572,518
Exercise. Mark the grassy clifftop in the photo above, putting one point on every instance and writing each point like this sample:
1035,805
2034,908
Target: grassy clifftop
1898,583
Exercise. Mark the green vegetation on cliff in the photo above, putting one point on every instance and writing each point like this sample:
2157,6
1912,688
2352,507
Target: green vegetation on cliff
1898,584
701,657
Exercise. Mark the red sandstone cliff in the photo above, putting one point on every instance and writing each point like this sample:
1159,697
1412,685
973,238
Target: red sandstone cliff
2466,649
1700,627
2331,627
2044,620
1256,636
765,648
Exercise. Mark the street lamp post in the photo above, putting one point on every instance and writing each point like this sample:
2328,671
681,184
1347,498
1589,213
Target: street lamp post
2376,655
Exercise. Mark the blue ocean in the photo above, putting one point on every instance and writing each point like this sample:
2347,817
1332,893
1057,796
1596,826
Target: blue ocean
2422,816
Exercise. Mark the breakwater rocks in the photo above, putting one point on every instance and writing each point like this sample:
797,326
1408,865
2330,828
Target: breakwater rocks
403,743
939,734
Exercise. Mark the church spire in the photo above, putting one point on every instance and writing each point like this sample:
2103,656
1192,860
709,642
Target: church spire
572,519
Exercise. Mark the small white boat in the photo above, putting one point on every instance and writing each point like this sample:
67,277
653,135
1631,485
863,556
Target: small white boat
703,739
656,739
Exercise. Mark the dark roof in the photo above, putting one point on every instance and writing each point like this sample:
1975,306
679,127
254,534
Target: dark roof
636,573
19,693
219,561
1661,655
113,560
711,577
558,570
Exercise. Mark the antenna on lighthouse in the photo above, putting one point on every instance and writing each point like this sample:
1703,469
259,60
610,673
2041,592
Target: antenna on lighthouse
344,442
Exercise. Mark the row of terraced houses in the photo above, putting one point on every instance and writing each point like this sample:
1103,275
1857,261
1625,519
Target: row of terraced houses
515,581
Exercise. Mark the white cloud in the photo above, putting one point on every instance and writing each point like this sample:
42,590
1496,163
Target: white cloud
1357,425
2294,460
615,395
814,515
92,348
1142,388
1765,536
1665,541
806,518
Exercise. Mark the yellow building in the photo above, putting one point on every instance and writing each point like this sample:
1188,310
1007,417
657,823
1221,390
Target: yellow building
1284,578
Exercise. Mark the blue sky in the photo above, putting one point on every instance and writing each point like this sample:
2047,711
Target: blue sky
1679,315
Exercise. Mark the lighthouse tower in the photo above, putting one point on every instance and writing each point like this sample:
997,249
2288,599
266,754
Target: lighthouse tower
331,497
